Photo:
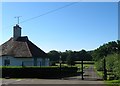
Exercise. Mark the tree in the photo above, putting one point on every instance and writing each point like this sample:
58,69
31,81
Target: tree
64,56
105,49
54,55
118,46
84,55
70,58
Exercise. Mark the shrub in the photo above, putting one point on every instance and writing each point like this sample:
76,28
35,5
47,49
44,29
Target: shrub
38,72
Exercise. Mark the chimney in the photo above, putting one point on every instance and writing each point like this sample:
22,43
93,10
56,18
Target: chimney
16,32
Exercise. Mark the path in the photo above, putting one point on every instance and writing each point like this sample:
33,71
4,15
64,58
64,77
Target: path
89,75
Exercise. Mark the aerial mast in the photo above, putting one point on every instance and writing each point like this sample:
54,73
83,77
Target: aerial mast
18,18
17,29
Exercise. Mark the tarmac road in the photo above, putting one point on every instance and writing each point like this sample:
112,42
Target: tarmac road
37,82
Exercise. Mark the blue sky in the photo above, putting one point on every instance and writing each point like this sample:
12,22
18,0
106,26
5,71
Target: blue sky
83,25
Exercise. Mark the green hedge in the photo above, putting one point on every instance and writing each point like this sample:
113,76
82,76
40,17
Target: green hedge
38,72
28,67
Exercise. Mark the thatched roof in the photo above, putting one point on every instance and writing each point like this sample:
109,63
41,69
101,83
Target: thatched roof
22,47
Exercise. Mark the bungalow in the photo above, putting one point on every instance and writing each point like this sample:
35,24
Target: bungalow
20,51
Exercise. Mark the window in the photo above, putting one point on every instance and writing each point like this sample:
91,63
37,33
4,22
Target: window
6,62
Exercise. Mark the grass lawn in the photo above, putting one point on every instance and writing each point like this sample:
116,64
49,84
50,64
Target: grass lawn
76,65
84,66
113,82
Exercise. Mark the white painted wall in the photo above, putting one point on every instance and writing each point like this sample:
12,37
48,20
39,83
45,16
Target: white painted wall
26,61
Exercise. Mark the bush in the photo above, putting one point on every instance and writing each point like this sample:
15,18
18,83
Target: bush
112,65
99,65
38,72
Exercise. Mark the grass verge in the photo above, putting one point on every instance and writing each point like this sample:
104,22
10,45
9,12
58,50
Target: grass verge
113,82
100,73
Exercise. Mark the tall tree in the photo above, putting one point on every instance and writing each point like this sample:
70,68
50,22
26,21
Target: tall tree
70,58
54,55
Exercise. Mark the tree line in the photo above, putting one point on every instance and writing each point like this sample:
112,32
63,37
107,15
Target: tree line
106,49
70,56
97,54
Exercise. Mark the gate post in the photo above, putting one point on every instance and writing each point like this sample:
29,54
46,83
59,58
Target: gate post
82,69
105,70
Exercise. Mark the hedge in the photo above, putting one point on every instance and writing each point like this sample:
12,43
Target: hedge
38,72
